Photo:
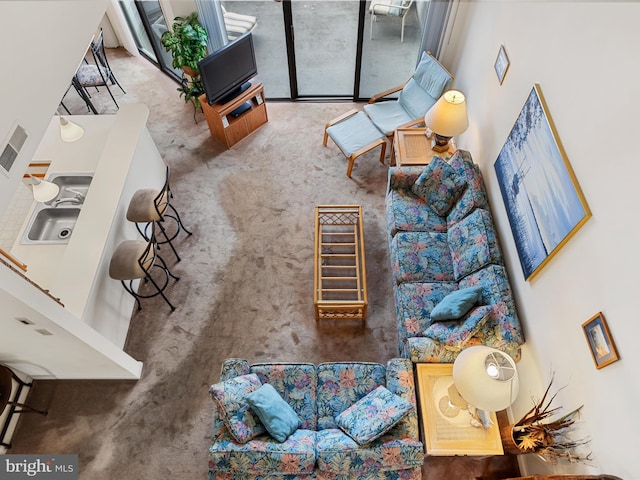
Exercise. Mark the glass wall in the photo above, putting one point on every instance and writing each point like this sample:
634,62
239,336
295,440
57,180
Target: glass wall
317,48
326,38
147,24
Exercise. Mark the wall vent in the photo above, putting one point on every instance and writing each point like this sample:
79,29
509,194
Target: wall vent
12,148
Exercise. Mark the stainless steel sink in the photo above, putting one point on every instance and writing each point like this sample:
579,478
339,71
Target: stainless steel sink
53,222
70,185
53,225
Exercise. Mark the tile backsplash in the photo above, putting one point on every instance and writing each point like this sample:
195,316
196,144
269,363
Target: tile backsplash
14,216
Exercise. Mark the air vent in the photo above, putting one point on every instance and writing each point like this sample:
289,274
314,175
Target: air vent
43,331
11,150
24,320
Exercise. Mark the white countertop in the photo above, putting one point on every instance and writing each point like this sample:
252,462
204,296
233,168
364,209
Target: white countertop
107,150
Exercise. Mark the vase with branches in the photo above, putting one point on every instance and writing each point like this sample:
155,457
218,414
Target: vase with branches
538,432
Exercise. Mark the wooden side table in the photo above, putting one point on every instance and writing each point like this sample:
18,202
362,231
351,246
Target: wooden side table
412,147
444,430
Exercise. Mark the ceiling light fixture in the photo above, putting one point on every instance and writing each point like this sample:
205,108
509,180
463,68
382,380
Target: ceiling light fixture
69,131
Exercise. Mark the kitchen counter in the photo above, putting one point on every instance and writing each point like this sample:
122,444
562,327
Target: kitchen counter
122,156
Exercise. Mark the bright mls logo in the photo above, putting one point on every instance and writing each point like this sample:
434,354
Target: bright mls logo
50,467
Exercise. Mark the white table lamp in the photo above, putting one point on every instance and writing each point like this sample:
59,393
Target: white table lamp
447,118
486,378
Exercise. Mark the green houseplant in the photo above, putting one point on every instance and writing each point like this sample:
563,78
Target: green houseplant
549,438
187,43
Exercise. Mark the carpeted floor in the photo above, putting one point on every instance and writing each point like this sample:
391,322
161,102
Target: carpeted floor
246,289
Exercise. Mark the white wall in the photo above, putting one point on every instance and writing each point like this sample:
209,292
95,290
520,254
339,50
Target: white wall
41,45
584,56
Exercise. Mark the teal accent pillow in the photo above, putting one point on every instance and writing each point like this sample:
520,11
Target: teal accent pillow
456,305
276,415
439,185
230,397
373,415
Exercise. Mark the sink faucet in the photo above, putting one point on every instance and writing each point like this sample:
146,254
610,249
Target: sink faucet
74,200
78,199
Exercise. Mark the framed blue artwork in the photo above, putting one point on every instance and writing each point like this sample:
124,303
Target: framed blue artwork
543,200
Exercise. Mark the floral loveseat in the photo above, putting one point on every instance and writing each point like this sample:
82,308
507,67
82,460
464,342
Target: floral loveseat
442,240
318,448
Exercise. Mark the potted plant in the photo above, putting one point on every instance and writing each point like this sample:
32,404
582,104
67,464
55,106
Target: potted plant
536,432
187,42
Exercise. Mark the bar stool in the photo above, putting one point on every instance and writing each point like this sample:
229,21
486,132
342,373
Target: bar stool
6,390
149,206
133,260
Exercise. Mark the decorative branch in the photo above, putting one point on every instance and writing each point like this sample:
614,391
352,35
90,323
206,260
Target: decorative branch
536,432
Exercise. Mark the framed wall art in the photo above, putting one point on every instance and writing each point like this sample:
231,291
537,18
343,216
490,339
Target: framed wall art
543,200
502,64
603,350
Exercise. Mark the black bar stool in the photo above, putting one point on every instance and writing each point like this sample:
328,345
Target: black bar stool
134,260
6,389
149,207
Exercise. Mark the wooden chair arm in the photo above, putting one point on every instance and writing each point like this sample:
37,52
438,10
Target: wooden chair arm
345,115
380,95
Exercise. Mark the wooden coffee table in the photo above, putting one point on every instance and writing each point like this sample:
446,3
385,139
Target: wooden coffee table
444,430
340,277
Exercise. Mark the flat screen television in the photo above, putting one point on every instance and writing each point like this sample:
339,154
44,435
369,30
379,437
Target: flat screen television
225,71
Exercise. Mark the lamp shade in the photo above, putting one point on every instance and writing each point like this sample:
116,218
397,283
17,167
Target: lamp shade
448,116
69,131
486,378
42,190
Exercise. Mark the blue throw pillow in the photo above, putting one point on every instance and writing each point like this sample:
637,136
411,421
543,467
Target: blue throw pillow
439,185
373,415
276,415
230,396
456,304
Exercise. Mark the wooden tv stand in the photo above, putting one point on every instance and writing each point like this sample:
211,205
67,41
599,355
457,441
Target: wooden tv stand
229,130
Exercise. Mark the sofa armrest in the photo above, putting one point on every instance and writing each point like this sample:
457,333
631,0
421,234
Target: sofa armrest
424,349
400,380
402,178
234,367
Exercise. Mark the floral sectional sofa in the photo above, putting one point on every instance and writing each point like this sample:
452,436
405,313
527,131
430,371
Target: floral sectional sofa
328,400
442,241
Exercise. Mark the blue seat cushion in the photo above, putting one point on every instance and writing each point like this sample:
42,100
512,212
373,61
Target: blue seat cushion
420,257
341,455
341,384
408,212
354,133
264,455
473,244
387,116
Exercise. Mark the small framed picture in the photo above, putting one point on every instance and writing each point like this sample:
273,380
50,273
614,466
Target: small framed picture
502,64
600,342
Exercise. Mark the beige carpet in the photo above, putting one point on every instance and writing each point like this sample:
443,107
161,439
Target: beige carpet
246,288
